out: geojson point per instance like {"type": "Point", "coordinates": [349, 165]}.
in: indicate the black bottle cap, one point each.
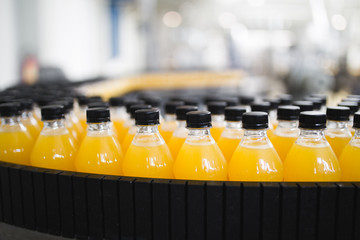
{"type": "Point", "coordinates": [321, 96]}
{"type": "Point", "coordinates": [97, 115]}
{"type": "Point", "coordinates": [170, 107]}
{"type": "Point", "coordinates": [234, 113]}
{"type": "Point", "coordinates": [312, 120]}
{"type": "Point", "coordinates": [356, 120]}
{"type": "Point", "coordinates": [192, 101]}
{"type": "Point", "coordinates": [44, 100]}
{"type": "Point", "coordinates": [52, 112]}
{"type": "Point", "coordinates": [83, 100]}
{"type": "Point", "coordinates": [357, 100]}
{"type": "Point", "coordinates": [211, 98]}
{"type": "Point", "coordinates": [26, 104]}
{"type": "Point", "coordinates": [67, 105]}
{"type": "Point", "coordinates": [274, 102]}
{"type": "Point", "coordinates": [116, 101]}
{"type": "Point", "coordinates": [147, 116]}
{"type": "Point", "coordinates": [96, 98]}
{"type": "Point", "coordinates": [288, 113]}
{"type": "Point", "coordinates": [217, 107]}
{"type": "Point", "coordinates": [285, 99]}
{"type": "Point", "coordinates": [10, 109]}
{"type": "Point", "coordinates": [136, 107]}
{"type": "Point", "coordinates": [354, 107]}
{"type": "Point", "coordinates": [182, 110]}
{"type": "Point", "coordinates": [198, 119]}
{"type": "Point", "coordinates": [230, 101]}
{"type": "Point", "coordinates": [6, 99]}
{"type": "Point", "coordinates": [129, 103]}
{"type": "Point", "coordinates": [246, 100]}
{"type": "Point", "coordinates": [255, 120]}
{"type": "Point", "coordinates": [153, 101]}
{"type": "Point", "coordinates": [338, 113]}
{"type": "Point", "coordinates": [317, 102]}
{"type": "Point", "coordinates": [260, 107]}
{"type": "Point", "coordinates": [98, 105]}
{"type": "Point", "coordinates": [304, 105]}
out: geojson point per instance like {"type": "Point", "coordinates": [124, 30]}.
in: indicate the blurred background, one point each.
{"type": "Point", "coordinates": [297, 46]}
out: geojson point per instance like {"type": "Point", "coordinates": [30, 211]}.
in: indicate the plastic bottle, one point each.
{"type": "Point", "coordinates": [28, 119]}
{"type": "Point", "coordinates": [311, 158]}
{"type": "Point", "coordinates": [353, 106]}
{"type": "Point", "coordinates": [148, 154]}
{"type": "Point", "coordinates": [118, 116]}
{"type": "Point", "coordinates": [255, 159]}
{"type": "Point", "coordinates": [169, 125]}
{"type": "Point", "coordinates": [200, 158]}
{"type": "Point", "coordinates": [287, 131]}
{"type": "Point", "coordinates": [217, 110]}
{"type": "Point", "coordinates": [233, 133]}
{"type": "Point", "coordinates": [100, 152]}
{"type": "Point", "coordinates": [15, 141]}
{"type": "Point", "coordinates": [181, 132]}
{"type": "Point", "coordinates": [350, 156]}
{"type": "Point", "coordinates": [54, 148]}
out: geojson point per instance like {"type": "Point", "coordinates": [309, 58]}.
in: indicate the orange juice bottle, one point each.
{"type": "Point", "coordinates": [100, 151]}
{"type": "Point", "coordinates": [350, 156]}
{"type": "Point", "coordinates": [287, 131]}
{"type": "Point", "coordinates": [199, 157]}
{"type": "Point", "coordinates": [255, 159]}
{"type": "Point", "coordinates": [217, 109]}
{"type": "Point", "coordinates": [181, 132]}
{"type": "Point", "coordinates": [169, 125]}
{"type": "Point", "coordinates": [28, 119]}
{"type": "Point", "coordinates": [311, 159]}
{"type": "Point", "coordinates": [15, 141]}
{"type": "Point", "coordinates": [337, 133]}
{"type": "Point", "coordinates": [118, 115]}
{"type": "Point", "coordinates": [148, 154]}
{"type": "Point", "coordinates": [54, 148]}
{"type": "Point", "coordinates": [263, 107]}
{"type": "Point", "coordinates": [132, 130]}
{"type": "Point", "coordinates": [73, 117]}
{"type": "Point", "coordinates": [274, 104]}
{"type": "Point", "coordinates": [353, 106]}
{"type": "Point", "coordinates": [233, 133]}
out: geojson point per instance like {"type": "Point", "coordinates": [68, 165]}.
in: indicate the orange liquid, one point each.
{"type": "Point", "coordinates": [216, 132]}
{"type": "Point", "coordinates": [127, 140]}
{"type": "Point", "coordinates": [100, 154]}
{"type": "Point", "coordinates": [338, 143]}
{"type": "Point", "coordinates": [166, 130]}
{"type": "Point", "coordinates": [350, 163]}
{"type": "Point", "coordinates": [83, 124]}
{"type": "Point", "coordinates": [175, 145]}
{"type": "Point", "coordinates": [202, 161]}
{"type": "Point", "coordinates": [147, 158]}
{"type": "Point", "coordinates": [311, 164]}
{"type": "Point", "coordinates": [54, 152]}
{"type": "Point", "coordinates": [255, 163]}
{"type": "Point", "coordinates": [119, 126]}
{"type": "Point", "coordinates": [282, 144]}
{"type": "Point", "coordinates": [228, 146]}
{"type": "Point", "coordinates": [15, 145]}
{"type": "Point", "coordinates": [32, 126]}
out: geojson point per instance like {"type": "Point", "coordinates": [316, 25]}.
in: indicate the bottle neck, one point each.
{"type": "Point", "coordinates": [98, 127]}
{"type": "Point", "coordinates": [312, 133]}
{"type": "Point", "coordinates": [26, 115]}
{"type": "Point", "coordinates": [181, 124]}
{"type": "Point", "coordinates": [118, 112]}
{"type": "Point", "coordinates": [233, 125]}
{"type": "Point", "coordinates": [170, 117]}
{"type": "Point", "coordinates": [255, 133]}
{"type": "Point", "coordinates": [54, 124]}
{"type": "Point", "coordinates": [217, 118]}
{"type": "Point", "coordinates": [357, 133]}
{"type": "Point", "coordinates": [199, 136]}
{"type": "Point", "coordinates": [288, 124]}
{"type": "Point", "coordinates": [10, 120]}
{"type": "Point", "coordinates": [336, 124]}
{"type": "Point", "coordinates": [147, 129]}
{"type": "Point", "coordinates": [312, 138]}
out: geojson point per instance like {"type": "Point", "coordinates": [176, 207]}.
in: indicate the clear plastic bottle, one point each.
{"type": "Point", "coordinates": [15, 141]}
{"type": "Point", "coordinates": [274, 104]}
{"type": "Point", "coordinates": [128, 121]}
{"type": "Point", "coordinates": [54, 148]}
{"type": "Point", "coordinates": [353, 106]}
{"type": "Point", "coordinates": [233, 133]}
{"type": "Point", "coordinates": [263, 107]}
{"type": "Point", "coordinates": [337, 132]}
{"type": "Point", "coordinates": [118, 116]}
{"type": "Point", "coordinates": [255, 159]}
{"type": "Point", "coordinates": [167, 127]}
{"type": "Point", "coordinates": [148, 155]}
{"type": "Point", "coordinates": [100, 151]}
{"type": "Point", "coordinates": [181, 132]}
{"type": "Point", "coordinates": [287, 131]}
{"type": "Point", "coordinates": [217, 109]}
{"type": "Point", "coordinates": [28, 119]}
{"type": "Point", "coordinates": [132, 130]}
{"type": "Point", "coordinates": [311, 158]}
{"type": "Point", "coordinates": [199, 157]}
{"type": "Point", "coordinates": [350, 156]}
